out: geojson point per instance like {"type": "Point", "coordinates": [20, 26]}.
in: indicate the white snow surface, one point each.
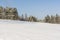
{"type": "Point", "coordinates": [19, 30]}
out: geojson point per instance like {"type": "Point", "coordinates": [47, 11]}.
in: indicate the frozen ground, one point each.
{"type": "Point", "coordinates": [15, 30]}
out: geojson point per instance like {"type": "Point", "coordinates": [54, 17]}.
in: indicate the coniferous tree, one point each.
{"type": "Point", "coordinates": [1, 11]}
{"type": "Point", "coordinates": [33, 19]}
{"type": "Point", "coordinates": [52, 19]}
{"type": "Point", "coordinates": [22, 18]}
{"type": "Point", "coordinates": [26, 18]}
{"type": "Point", "coordinates": [47, 19]}
{"type": "Point", "coordinates": [57, 18]}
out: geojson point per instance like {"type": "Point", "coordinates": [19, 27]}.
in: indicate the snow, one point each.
{"type": "Point", "coordinates": [20, 30]}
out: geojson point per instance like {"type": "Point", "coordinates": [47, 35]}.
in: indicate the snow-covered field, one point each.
{"type": "Point", "coordinates": [19, 30]}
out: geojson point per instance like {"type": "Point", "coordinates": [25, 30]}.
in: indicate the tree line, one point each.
{"type": "Point", "coordinates": [26, 18]}
{"type": "Point", "coordinates": [52, 19]}
{"type": "Point", "coordinates": [47, 19]}
{"type": "Point", "coordinates": [12, 14]}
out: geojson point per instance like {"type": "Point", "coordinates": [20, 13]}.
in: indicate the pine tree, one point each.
{"type": "Point", "coordinates": [22, 18]}
{"type": "Point", "coordinates": [57, 18]}
{"type": "Point", "coordinates": [47, 19]}
{"type": "Point", "coordinates": [33, 19]}
{"type": "Point", "coordinates": [26, 18]}
{"type": "Point", "coordinates": [52, 19]}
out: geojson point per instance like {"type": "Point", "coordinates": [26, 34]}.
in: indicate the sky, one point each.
{"type": "Point", "coordinates": [37, 8]}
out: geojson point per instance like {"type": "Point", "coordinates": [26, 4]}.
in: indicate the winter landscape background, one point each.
{"type": "Point", "coordinates": [29, 19]}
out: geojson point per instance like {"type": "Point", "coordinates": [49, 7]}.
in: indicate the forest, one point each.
{"type": "Point", "coordinates": [12, 14]}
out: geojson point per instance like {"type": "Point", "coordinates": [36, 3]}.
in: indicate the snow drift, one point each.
{"type": "Point", "coordinates": [19, 30]}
